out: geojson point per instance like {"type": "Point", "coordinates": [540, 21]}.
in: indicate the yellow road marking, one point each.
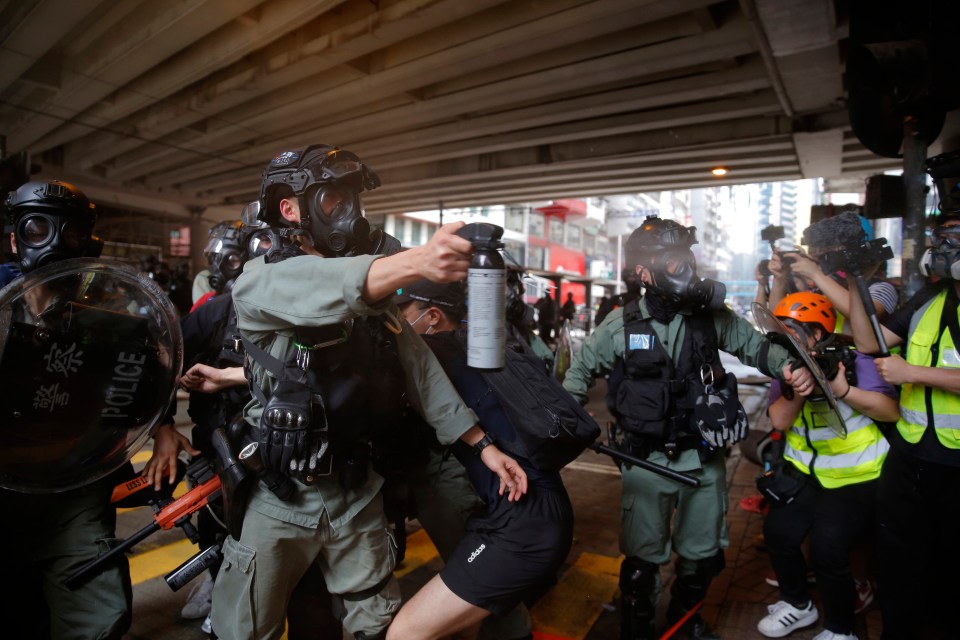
{"type": "Point", "coordinates": [572, 607]}
{"type": "Point", "coordinates": [420, 551]}
{"type": "Point", "coordinates": [141, 456]}
{"type": "Point", "coordinates": [160, 561]}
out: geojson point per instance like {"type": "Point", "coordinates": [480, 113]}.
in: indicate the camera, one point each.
{"type": "Point", "coordinates": [856, 257]}
{"type": "Point", "coordinates": [831, 352]}
{"type": "Point", "coordinates": [772, 233]}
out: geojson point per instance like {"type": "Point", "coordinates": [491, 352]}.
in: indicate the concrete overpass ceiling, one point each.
{"type": "Point", "coordinates": [175, 106]}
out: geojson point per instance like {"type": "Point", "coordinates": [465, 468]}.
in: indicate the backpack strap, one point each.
{"type": "Point", "coordinates": [274, 366]}
{"type": "Point", "coordinates": [949, 316]}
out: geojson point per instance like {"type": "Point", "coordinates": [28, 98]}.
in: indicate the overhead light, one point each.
{"type": "Point", "coordinates": [719, 171]}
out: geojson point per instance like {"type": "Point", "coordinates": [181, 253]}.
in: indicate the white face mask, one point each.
{"type": "Point", "coordinates": [419, 318]}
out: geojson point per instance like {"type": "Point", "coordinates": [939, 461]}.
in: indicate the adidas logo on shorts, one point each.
{"type": "Point", "coordinates": [473, 556]}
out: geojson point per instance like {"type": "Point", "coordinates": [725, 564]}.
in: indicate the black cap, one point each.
{"type": "Point", "coordinates": [452, 296]}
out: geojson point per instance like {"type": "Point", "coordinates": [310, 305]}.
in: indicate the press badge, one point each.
{"type": "Point", "coordinates": [951, 358]}
{"type": "Point", "coordinates": [641, 341]}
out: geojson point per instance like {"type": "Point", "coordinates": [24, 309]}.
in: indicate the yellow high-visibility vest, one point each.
{"type": "Point", "coordinates": [919, 403]}
{"type": "Point", "coordinates": [836, 462]}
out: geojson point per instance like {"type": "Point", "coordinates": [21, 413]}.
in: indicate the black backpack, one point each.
{"type": "Point", "coordinates": [550, 427]}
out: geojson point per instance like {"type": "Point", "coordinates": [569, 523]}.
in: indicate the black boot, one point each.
{"type": "Point", "coordinates": [637, 584]}
{"type": "Point", "coordinates": [686, 593]}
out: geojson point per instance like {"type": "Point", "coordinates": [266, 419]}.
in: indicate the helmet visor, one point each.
{"type": "Point", "coordinates": [250, 215]}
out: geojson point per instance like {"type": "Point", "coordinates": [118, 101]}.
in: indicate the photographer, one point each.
{"type": "Point", "coordinates": [840, 242]}
{"type": "Point", "coordinates": [921, 478]}
{"type": "Point", "coordinates": [832, 481]}
{"type": "Point", "coordinates": [784, 279]}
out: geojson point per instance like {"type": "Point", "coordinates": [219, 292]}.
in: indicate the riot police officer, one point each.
{"type": "Point", "coordinates": [328, 362]}
{"type": "Point", "coordinates": [660, 352]}
{"type": "Point", "coordinates": [53, 534]}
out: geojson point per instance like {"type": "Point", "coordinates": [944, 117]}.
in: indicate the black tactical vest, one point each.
{"type": "Point", "coordinates": [650, 395]}
{"type": "Point", "coordinates": [353, 372]}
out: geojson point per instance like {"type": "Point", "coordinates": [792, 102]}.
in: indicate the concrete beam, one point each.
{"type": "Point", "coordinates": [153, 33]}
{"type": "Point", "coordinates": [729, 41]}
{"type": "Point", "coordinates": [819, 153]}
{"type": "Point", "coordinates": [34, 32]}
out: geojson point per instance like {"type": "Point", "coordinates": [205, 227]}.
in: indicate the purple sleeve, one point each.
{"type": "Point", "coordinates": [868, 378]}
{"type": "Point", "coordinates": [775, 392]}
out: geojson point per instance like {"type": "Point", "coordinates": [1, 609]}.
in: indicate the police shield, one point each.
{"type": "Point", "coordinates": [823, 405]}
{"type": "Point", "coordinates": [90, 355]}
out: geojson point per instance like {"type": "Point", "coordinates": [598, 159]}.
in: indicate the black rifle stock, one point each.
{"type": "Point", "coordinates": [175, 513]}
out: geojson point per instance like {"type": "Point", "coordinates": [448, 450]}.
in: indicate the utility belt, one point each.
{"type": "Point", "coordinates": [641, 447]}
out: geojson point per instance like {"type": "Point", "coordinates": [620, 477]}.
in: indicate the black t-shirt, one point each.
{"type": "Point", "coordinates": [928, 447]}
{"type": "Point", "coordinates": [203, 337]}
{"type": "Point", "coordinates": [477, 395]}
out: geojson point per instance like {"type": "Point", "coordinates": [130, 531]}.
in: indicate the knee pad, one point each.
{"type": "Point", "coordinates": [638, 576]}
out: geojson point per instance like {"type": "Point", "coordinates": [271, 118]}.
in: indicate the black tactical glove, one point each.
{"type": "Point", "coordinates": [289, 442]}
{"type": "Point", "coordinates": [717, 412]}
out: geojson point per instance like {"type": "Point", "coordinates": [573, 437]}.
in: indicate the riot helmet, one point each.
{"type": "Point", "coordinates": [945, 171]}
{"type": "Point", "coordinates": [663, 248]}
{"type": "Point", "coordinates": [52, 221]}
{"type": "Point", "coordinates": [327, 183]}
{"type": "Point", "coordinates": [230, 245]}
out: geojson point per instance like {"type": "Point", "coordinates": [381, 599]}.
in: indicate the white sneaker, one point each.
{"type": "Point", "coordinates": [784, 618]}
{"type": "Point", "coordinates": [206, 626]}
{"type": "Point", "coordinates": [830, 635]}
{"type": "Point", "coordinates": [199, 600]}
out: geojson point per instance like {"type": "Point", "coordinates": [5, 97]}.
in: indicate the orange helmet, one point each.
{"type": "Point", "coordinates": [808, 307]}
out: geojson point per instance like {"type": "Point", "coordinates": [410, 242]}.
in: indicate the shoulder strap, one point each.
{"type": "Point", "coordinates": [703, 338]}
{"type": "Point", "coordinates": [948, 317]}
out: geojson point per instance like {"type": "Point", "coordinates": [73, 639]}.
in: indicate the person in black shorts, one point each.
{"type": "Point", "coordinates": [511, 552]}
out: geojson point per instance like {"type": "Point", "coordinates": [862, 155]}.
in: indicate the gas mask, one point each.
{"type": "Point", "coordinates": [52, 221]}
{"type": "Point", "coordinates": [675, 279]}
{"type": "Point", "coordinates": [43, 238]}
{"type": "Point", "coordinates": [225, 255]}
{"type": "Point", "coordinates": [230, 245]}
{"type": "Point", "coordinates": [334, 220]}
{"type": "Point", "coordinates": [943, 259]}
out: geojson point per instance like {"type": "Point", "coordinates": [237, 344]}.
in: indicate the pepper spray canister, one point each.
{"type": "Point", "coordinates": [486, 297]}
